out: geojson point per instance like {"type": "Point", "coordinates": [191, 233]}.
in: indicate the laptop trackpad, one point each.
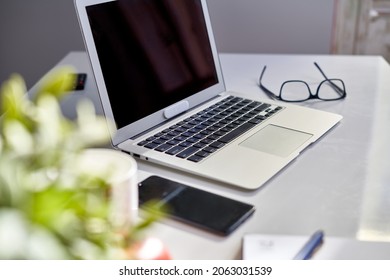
{"type": "Point", "coordinates": [276, 140]}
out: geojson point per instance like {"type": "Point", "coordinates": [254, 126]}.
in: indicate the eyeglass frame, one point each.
{"type": "Point", "coordinates": [341, 92]}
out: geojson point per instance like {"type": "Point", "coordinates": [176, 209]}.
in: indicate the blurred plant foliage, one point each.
{"type": "Point", "coordinates": [49, 210]}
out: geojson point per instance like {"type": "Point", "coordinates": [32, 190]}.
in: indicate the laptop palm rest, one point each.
{"type": "Point", "coordinates": [276, 140]}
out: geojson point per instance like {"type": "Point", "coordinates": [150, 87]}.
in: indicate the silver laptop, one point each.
{"type": "Point", "coordinates": [159, 79]}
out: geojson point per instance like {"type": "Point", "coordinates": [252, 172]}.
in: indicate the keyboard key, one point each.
{"type": "Point", "coordinates": [255, 121]}
{"type": "Point", "coordinates": [209, 149]}
{"type": "Point", "coordinates": [187, 152]}
{"type": "Point", "coordinates": [200, 136]}
{"type": "Point", "coordinates": [213, 136]}
{"type": "Point", "coordinates": [185, 144]}
{"type": "Point", "coordinates": [217, 144]}
{"type": "Point", "coordinates": [192, 140]}
{"type": "Point", "coordinates": [175, 150]}
{"type": "Point", "coordinates": [180, 138]}
{"type": "Point", "coordinates": [173, 133]}
{"type": "Point", "coordinates": [219, 133]}
{"type": "Point", "coordinates": [195, 158]}
{"type": "Point", "coordinates": [151, 146]}
{"type": "Point", "coordinates": [202, 154]}
{"type": "Point", "coordinates": [159, 141]}
{"type": "Point", "coordinates": [207, 141]}
{"type": "Point", "coordinates": [236, 132]}
{"type": "Point", "coordinates": [188, 134]}
{"type": "Point", "coordinates": [150, 139]}
{"type": "Point", "coordinates": [200, 145]}
{"type": "Point", "coordinates": [166, 137]}
{"type": "Point", "coordinates": [262, 107]}
{"type": "Point", "coordinates": [163, 147]}
{"type": "Point", "coordinates": [142, 143]}
{"type": "Point", "coordinates": [173, 142]}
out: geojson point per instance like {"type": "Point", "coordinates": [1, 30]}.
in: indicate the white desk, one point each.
{"type": "Point", "coordinates": [341, 184]}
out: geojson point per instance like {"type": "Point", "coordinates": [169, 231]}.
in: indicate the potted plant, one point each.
{"type": "Point", "coordinates": [48, 208]}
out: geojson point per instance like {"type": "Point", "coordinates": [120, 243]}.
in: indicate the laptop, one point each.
{"type": "Point", "coordinates": [159, 79]}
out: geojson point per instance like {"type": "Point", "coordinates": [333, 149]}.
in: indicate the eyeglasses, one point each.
{"type": "Point", "coordinates": [298, 91]}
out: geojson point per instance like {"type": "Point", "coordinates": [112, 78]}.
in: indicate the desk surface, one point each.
{"type": "Point", "coordinates": [340, 184]}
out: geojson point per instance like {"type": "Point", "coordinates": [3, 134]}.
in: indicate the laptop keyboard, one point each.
{"type": "Point", "coordinates": [204, 133]}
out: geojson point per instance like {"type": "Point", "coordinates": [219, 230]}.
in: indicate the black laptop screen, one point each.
{"type": "Point", "coordinates": [152, 54]}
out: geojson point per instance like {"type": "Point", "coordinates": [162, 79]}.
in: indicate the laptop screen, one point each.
{"type": "Point", "coordinates": [152, 54]}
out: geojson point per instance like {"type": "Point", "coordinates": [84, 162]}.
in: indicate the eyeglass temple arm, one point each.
{"type": "Point", "coordinates": [335, 87]}
{"type": "Point", "coordinates": [266, 90]}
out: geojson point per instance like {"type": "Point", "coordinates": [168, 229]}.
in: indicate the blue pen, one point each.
{"type": "Point", "coordinates": [311, 246]}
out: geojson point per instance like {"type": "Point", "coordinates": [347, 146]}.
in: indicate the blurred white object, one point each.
{"type": "Point", "coordinates": [120, 171]}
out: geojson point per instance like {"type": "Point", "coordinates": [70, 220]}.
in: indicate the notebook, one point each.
{"type": "Point", "coordinates": [159, 79]}
{"type": "Point", "coordinates": [285, 247]}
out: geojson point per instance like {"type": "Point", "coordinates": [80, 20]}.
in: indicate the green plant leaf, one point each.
{"type": "Point", "coordinates": [13, 97]}
{"type": "Point", "coordinates": [58, 83]}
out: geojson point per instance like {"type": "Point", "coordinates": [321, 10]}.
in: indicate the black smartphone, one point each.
{"type": "Point", "coordinates": [212, 212]}
{"type": "Point", "coordinates": [80, 80]}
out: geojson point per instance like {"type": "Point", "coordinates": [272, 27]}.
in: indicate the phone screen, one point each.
{"type": "Point", "coordinates": [200, 208]}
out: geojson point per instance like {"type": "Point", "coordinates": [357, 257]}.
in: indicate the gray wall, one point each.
{"type": "Point", "coordinates": [36, 34]}
{"type": "Point", "coordinates": [273, 26]}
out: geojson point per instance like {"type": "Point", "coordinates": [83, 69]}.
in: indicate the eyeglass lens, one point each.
{"type": "Point", "coordinates": [294, 91]}
{"type": "Point", "coordinates": [327, 90]}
